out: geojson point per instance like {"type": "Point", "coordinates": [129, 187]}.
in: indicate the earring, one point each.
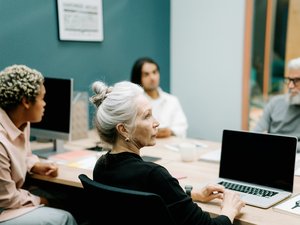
{"type": "Point", "coordinates": [127, 139]}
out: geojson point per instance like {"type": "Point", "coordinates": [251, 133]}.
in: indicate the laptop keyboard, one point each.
{"type": "Point", "coordinates": [248, 190]}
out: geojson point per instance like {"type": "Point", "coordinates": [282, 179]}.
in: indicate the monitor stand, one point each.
{"type": "Point", "coordinates": [58, 147]}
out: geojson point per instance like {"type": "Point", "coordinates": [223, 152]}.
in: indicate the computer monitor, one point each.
{"type": "Point", "coordinates": [56, 122]}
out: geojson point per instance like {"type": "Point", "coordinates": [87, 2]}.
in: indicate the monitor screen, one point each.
{"type": "Point", "coordinates": [56, 122]}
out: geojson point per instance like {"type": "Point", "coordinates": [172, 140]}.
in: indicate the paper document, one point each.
{"type": "Point", "coordinates": [175, 147]}
{"type": "Point", "coordinates": [71, 155]}
{"type": "Point", "coordinates": [291, 206]}
{"type": "Point", "coordinates": [297, 165]}
{"type": "Point", "coordinates": [178, 175]}
{"type": "Point", "coordinates": [212, 156]}
{"type": "Point", "coordinates": [87, 163]}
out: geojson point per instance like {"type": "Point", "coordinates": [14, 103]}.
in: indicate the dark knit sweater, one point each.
{"type": "Point", "coordinates": [128, 170]}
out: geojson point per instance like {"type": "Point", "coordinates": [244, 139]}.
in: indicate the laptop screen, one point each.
{"type": "Point", "coordinates": [258, 158]}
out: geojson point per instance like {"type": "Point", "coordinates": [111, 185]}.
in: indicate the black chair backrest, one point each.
{"type": "Point", "coordinates": [113, 205]}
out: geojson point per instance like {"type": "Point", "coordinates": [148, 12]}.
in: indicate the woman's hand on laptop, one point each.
{"type": "Point", "coordinates": [232, 204]}
{"type": "Point", "coordinates": [208, 193]}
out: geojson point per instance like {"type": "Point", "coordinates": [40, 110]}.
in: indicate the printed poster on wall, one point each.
{"type": "Point", "coordinates": [80, 20]}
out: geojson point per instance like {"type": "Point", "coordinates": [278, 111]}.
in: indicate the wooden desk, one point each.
{"type": "Point", "coordinates": [197, 173]}
{"type": "Point", "coordinates": [67, 175]}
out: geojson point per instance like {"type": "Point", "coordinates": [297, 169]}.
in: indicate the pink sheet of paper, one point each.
{"type": "Point", "coordinates": [178, 176]}
{"type": "Point", "coordinates": [72, 155]}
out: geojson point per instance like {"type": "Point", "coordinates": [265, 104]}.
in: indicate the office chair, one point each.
{"type": "Point", "coordinates": [113, 205]}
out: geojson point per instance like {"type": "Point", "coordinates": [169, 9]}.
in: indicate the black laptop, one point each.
{"type": "Point", "coordinates": [258, 165]}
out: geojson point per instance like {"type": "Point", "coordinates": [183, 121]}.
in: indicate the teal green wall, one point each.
{"type": "Point", "coordinates": [132, 28]}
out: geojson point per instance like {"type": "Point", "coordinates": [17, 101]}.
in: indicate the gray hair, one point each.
{"type": "Point", "coordinates": [16, 82]}
{"type": "Point", "coordinates": [294, 64]}
{"type": "Point", "coordinates": [114, 105]}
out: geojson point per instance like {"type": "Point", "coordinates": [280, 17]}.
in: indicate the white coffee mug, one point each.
{"type": "Point", "coordinates": [187, 152]}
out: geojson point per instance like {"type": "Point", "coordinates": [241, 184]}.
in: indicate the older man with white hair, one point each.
{"type": "Point", "coordinates": [282, 113]}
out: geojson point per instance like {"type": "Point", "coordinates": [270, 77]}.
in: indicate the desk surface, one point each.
{"type": "Point", "coordinates": [196, 173]}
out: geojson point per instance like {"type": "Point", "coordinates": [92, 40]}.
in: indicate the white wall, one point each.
{"type": "Point", "coordinates": [207, 38]}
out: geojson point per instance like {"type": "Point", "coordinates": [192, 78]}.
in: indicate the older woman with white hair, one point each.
{"type": "Point", "coordinates": [124, 120]}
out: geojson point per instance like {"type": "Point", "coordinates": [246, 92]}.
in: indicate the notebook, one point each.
{"type": "Point", "coordinates": [258, 165]}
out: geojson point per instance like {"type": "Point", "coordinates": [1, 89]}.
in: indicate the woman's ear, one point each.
{"type": "Point", "coordinates": [26, 103]}
{"type": "Point", "coordinates": [122, 130]}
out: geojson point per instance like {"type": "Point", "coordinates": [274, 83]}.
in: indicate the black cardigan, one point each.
{"type": "Point", "coordinates": [128, 170]}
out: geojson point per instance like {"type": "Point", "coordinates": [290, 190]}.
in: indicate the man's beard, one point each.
{"type": "Point", "coordinates": [293, 99]}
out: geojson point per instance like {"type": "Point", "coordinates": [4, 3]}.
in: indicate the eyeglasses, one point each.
{"type": "Point", "coordinates": [295, 81]}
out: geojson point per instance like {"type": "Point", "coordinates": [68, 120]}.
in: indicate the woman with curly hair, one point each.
{"type": "Point", "coordinates": [22, 102]}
